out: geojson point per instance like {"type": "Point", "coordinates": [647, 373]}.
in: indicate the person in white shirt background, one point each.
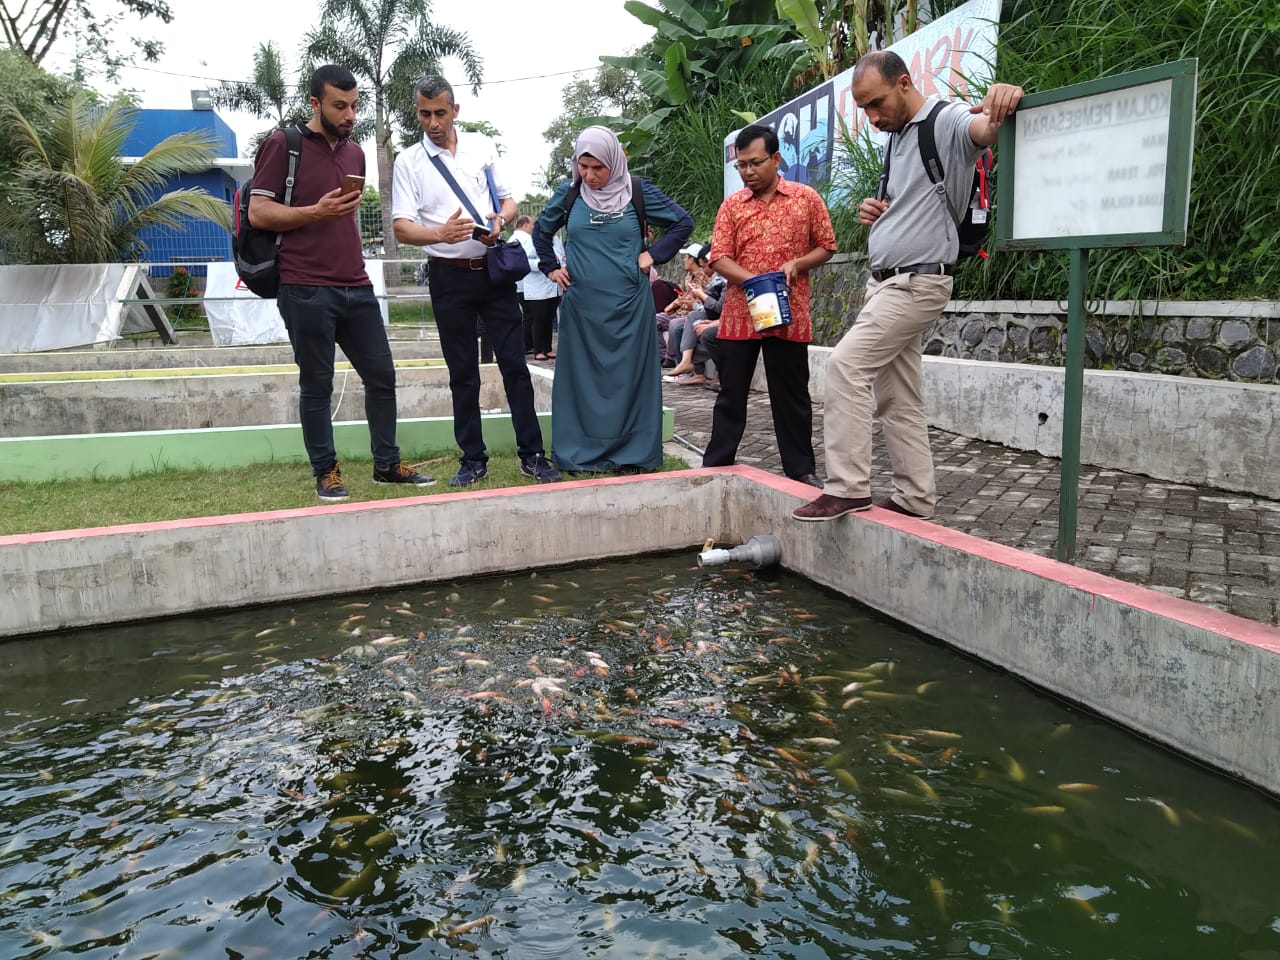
{"type": "Point", "coordinates": [539, 295]}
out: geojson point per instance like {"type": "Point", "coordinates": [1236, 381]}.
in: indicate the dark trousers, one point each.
{"type": "Point", "coordinates": [706, 349]}
{"type": "Point", "coordinates": [461, 299]}
{"type": "Point", "coordinates": [527, 325]}
{"type": "Point", "coordinates": [538, 315]}
{"type": "Point", "coordinates": [786, 367]}
{"type": "Point", "coordinates": [317, 318]}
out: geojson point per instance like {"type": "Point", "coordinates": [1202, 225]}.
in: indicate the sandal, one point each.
{"type": "Point", "coordinates": [551, 356]}
{"type": "Point", "coordinates": [540, 356]}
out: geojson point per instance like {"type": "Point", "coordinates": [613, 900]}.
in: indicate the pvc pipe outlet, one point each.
{"type": "Point", "coordinates": [762, 550]}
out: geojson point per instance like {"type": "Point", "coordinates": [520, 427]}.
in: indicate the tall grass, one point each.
{"type": "Point", "coordinates": [855, 175]}
{"type": "Point", "coordinates": [1234, 220]}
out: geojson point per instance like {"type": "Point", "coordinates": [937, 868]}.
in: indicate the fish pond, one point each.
{"type": "Point", "coordinates": [634, 760]}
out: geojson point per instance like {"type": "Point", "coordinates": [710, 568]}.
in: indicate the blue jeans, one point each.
{"type": "Point", "coordinates": [317, 318]}
{"type": "Point", "coordinates": [460, 298]}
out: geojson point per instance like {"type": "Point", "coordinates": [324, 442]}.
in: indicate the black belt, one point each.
{"type": "Point", "coordinates": [946, 269]}
{"type": "Point", "coordinates": [475, 263]}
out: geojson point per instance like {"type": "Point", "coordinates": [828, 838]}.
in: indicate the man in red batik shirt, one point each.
{"type": "Point", "coordinates": [772, 225]}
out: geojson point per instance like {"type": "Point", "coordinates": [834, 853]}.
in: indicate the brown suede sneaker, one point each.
{"type": "Point", "coordinates": [827, 507]}
{"type": "Point", "coordinates": [891, 504]}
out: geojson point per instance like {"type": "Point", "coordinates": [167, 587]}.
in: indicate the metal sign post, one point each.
{"type": "Point", "coordinates": [1100, 164]}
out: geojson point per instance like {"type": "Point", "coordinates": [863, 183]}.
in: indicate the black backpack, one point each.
{"type": "Point", "coordinates": [973, 226]}
{"type": "Point", "coordinates": [255, 251]}
{"type": "Point", "coordinates": [637, 201]}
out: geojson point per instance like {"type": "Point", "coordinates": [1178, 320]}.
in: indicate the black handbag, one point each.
{"type": "Point", "coordinates": [504, 262]}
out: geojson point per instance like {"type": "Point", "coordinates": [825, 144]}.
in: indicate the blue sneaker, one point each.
{"type": "Point", "coordinates": [540, 468]}
{"type": "Point", "coordinates": [329, 485]}
{"type": "Point", "coordinates": [469, 471]}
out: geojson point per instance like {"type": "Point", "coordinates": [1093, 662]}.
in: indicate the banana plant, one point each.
{"type": "Point", "coordinates": [695, 44]}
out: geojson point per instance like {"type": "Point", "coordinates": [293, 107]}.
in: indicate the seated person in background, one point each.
{"type": "Point", "coordinates": [663, 292]}
{"type": "Point", "coordinates": [539, 296]}
{"type": "Point", "coordinates": [703, 349]}
{"type": "Point", "coordinates": [706, 350]}
{"type": "Point", "coordinates": [695, 272]}
{"type": "Point", "coordinates": [685, 332]}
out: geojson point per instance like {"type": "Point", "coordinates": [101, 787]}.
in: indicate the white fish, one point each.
{"type": "Point", "coordinates": [546, 687]}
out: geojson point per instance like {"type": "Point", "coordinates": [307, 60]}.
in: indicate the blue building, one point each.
{"type": "Point", "coordinates": [200, 241]}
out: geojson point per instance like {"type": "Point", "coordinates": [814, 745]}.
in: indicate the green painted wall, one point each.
{"type": "Point", "coordinates": [122, 454]}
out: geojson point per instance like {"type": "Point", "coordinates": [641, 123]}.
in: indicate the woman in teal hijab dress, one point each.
{"type": "Point", "coordinates": [606, 401]}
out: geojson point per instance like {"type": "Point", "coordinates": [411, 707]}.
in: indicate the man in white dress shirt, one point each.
{"type": "Point", "coordinates": [427, 211]}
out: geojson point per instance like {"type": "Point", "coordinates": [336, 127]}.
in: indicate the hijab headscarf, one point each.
{"type": "Point", "coordinates": [602, 144]}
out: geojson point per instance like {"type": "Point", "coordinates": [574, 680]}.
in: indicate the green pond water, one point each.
{"type": "Point", "coordinates": [635, 760]}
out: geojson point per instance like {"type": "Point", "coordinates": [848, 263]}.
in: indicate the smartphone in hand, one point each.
{"type": "Point", "coordinates": [352, 184]}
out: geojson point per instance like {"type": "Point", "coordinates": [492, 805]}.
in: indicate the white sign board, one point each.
{"type": "Point", "coordinates": [1102, 163]}
{"type": "Point", "coordinates": [1093, 166]}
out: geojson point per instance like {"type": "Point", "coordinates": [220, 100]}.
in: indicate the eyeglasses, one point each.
{"type": "Point", "coordinates": [743, 165]}
{"type": "Point", "coordinates": [598, 218]}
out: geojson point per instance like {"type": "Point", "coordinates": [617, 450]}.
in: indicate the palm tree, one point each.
{"type": "Point", "coordinates": [388, 45]}
{"type": "Point", "coordinates": [74, 200]}
{"type": "Point", "coordinates": [267, 96]}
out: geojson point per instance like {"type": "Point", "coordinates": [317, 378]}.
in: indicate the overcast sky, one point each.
{"type": "Point", "coordinates": [520, 41]}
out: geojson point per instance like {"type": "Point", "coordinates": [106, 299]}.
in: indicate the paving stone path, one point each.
{"type": "Point", "coordinates": [1217, 548]}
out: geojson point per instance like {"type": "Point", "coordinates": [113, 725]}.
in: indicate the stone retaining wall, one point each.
{"type": "Point", "coordinates": [1218, 340]}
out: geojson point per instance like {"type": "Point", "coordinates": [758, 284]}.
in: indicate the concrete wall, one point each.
{"type": "Point", "coordinates": [36, 459]}
{"type": "Point", "coordinates": [49, 408]}
{"type": "Point", "coordinates": [115, 357]}
{"type": "Point", "coordinates": [1181, 429]}
{"type": "Point", "coordinates": [1201, 681]}
{"type": "Point", "coordinates": [1192, 678]}
{"type": "Point", "coordinates": [1218, 339]}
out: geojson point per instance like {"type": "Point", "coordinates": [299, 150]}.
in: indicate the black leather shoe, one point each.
{"type": "Point", "coordinates": [811, 479]}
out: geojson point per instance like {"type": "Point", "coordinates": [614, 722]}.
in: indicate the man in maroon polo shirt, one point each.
{"type": "Point", "coordinates": [325, 295]}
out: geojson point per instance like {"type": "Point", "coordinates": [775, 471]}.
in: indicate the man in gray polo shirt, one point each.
{"type": "Point", "coordinates": [876, 370]}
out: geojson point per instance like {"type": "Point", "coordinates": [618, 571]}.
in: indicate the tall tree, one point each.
{"type": "Point", "coordinates": [74, 200]}
{"type": "Point", "coordinates": [270, 96]}
{"type": "Point", "coordinates": [389, 45]}
{"type": "Point", "coordinates": [38, 96]}
{"type": "Point", "coordinates": [610, 94]}
{"type": "Point", "coordinates": [696, 44]}
{"type": "Point", "coordinates": [32, 26]}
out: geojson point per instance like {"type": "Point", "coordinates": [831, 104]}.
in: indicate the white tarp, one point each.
{"type": "Point", "coordinates": [54, 306]}
{"type": "Point", "coordinates": [239, 316]}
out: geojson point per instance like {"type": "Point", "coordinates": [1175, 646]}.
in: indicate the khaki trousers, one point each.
{"type": "Point", "coordinates": [876, 371]}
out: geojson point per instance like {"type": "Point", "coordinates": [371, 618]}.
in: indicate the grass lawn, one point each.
{"type": "Point", "coordinates": [177, 494]}
{"type": "Point", "coordinates": [410, 311]}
